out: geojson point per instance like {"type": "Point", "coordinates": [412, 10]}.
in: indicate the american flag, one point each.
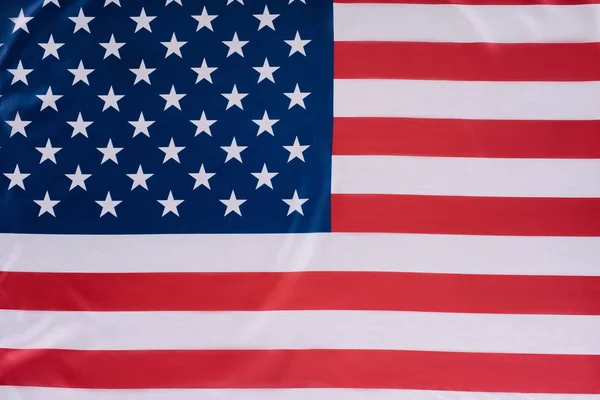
{"type": "Point", "coordinates": [299, 199]}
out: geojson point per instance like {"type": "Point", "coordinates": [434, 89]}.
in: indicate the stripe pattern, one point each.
{"type": "Point", "coordinates": [463, 262]}
{"type": "Point", "coordinates": [478, 121]}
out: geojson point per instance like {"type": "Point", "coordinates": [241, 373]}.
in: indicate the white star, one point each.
{"type": "Point", "coordinates": [204, 72]}
{"type": "Point", "coordinates": [303, 1]}
{"type": "Point", "coordinates": [20, 74]}
{"type": "Point", "coordinates": [108, 205]}
{"type": "Point", "coordinates": [78, 179]}
{"type": "Point", "coordinates": [296, 150]}
{"type": "Point", "coordinates": [231, 1]}
{"type": "Point", "coordinates": [111, 100]}
{"type": "Point", "coordinates": [117, 2]}
{"type": "Point", "coordinates": [140, 178]}
{"type": "Point", "coordinates": [203, 125]}
{"type": "Point", "coordinates": [204, 20]}
{"type": "Point", "coordinates": [266, 71]}
{"type": "Point", "coordinates": [112, 47]}
{"type": "Point", "coordinates": [109, 152]}
{"type": "Point", "coordinates": [172, 151]}
{"type": "Point", "coordinates": [49, 99]}
{"type": "Point", "coordinates": [46, 205]}
{"type": "Point", "coordinates": [141, 126]}
{"type": "Point", "coordinates": [143, 21]}
{"type": "Point", "coordinates": [265, 124]}
{"type": "Point", "coordinates": [21, 22]}
{"type": "Point", "coordinates": [297, 97]}
{"type": "Point", "coordinates": [173, 46]}
{"type": "Point", "coordinates": [48, 152]}
{"type": "Point", "coordinates": [80, 74]}
{"type": "Point", "coordinates": [234, 98]}
{"type": "Point", "coordinates": [202, 177]}
{"type": "Point", "coordinates": [295, 203]}
{"type": "Point", "coordinates": [264, 177]}
{"type": "Point", "coordinates": [51, 48]}
{"type": "Point", "coordinates": [142, 73]}
{"type": "Point", "coordinates": [172, 98]}
{"type": "Point", "coordinates": [235, 45]}
{"type": "Point", "coordinates": [266, 19]}
{"type": "Point", "coordinates": [17, 125]}
{"type": "Point", "coordinates": [16, 178]}
{"type": "Point", "coordinates": [80, 126]}
{"type": "Point", "coordinates": [46, 2]}
{"type": "Point", "coordinates": [297, 45]}
{"type": "Point", "coordinates": [234, 151]}
{"type": "Point", "coordinates": [170, 205]}
{"type": "Point", "coordinates": [81, 21]}
{"type": "Point", "coordinates": [173, 1]}
{"type": "Point", "coordinates": [233, 204]}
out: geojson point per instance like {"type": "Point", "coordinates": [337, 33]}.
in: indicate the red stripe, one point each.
{"type": "Point", "coordinates": [301, 291]}
{"type": "Point", "coordinates": [466, 138]}
{"type": "Point", "coordinates": [468, 61]}
{"type": "Point", "coordinates": [465, 215]}
{"type": "Point", "coordinates": [301, 369]}
{"type": "Point", "coordinates": [474, 2]}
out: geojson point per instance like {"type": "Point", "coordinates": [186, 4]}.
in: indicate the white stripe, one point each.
{"type": "Point", "coordinates": [448, 176]}
{"type": "Point", "coordinates": [466, 99]}
{"type": "Point", "coordinates": [46, 393]}
{"type": "Point", "coordinates": [236, 330]}
{"type": "Point", "coordinates": [302, 252]}
{"type": "Point", "coordinates": [465, 23]}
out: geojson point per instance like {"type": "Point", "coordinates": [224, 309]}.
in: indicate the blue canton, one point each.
{"type": "Point", "coordinates": [165, 116]}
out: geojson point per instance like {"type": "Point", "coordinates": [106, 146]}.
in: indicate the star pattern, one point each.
{"type": "Point", "coordinates": [235, 45]}
{"type": "Point", "coordinates": [51, 48]}
{"type": "Point", "coordinates": [143, 21]}
{"type": "Point", "coordinates": [108, 205]}
{"type": "Point", "coordinates": [234, 151]}
{"type": "Point", "coordinates": [265, 124]}
{"type": "Point", "coordinates": [173, 46]}
{"type": "Point", "coordinates": [80, 74]}
{"type": "Point", "coordinates": [46, 205]}
{"type": "Point", "coordinates": [141, 126]}
{"type": "Point", "coordinates": [142, 73]}
{"type": "Point", "coordinates": [78, 179]}
{"type": "Point", "coordinates": [111, 100]}
{"type": "Point", "coordinates": [266, 19]}
{"type": "Point", "coordinates": [80, 126]}
{"type": "Point", "coordinates": [82, 22]}
{"type": "Point", "coordinates": [297, 45]}
{"type": "Point", "coordinates": [17, 125]}
{"type": "Point", "coordinates": [234, 98]}
{"type": "Point", "coordinates": [172, 99]}
{"type": "Point", "coordinates": [170, 205]}
{"type": "Point", "coordinates": [140, 178]}
{"type": "Point", "coordinates": [295, 204]}
{"type": "Point", "coordinates": [20, 74]}
{"type": "Point", "coordinates": [266, 71]}
{"type": "Point", "coordinates": [112, 47]}
{"type": "Point", "coordinates": [109, 153]}
{"type": "Point", "coordinates": [154, 121]}
{"type": "Point", "coordinates": [171, 152]}
{"type": "Point", "coordinates": [49, 99]}
{"type": "Point", "coordinates": [21, 22]}
{"type": "Point", "coordinates": [202, 178]}
{"type": "Point", "coordinates": [264, 177]}
{"type": "Point", "coordinates": [204, 72]}
{"type": "Point", "coordinates": [204, 20]}
{"type": "Point", "coordinates": [203, 125]}
{"type": "Point", "coordinates": [48, 152]}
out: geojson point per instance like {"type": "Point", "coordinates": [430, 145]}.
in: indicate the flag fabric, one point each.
{"type": "Point", "coordinates": [302, 199]}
